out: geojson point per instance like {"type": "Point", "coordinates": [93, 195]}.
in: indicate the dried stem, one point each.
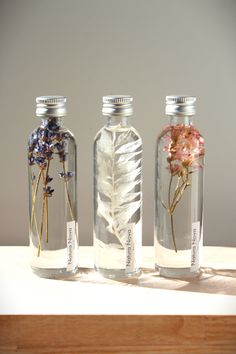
{"type": "Point", "coordinates": [35, 221]}
{"type": "Point", "coordinates": [171, 213]}
{"type": "Point", "coordinates": [172, 230]}
{"type": "Point", "coordinates": [34, 198]}
{"type": "Point", "coordinates": [46, 199]}
{"type": "Point", "coordinates": [67, 192]}
{"type": "Point", "coordinates": [44, 206]}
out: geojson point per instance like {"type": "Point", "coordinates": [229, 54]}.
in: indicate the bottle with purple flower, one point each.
{"type": "Point", "coordinates": [53, 228]}
{"type": "Point", "coordinates": [179, 191]}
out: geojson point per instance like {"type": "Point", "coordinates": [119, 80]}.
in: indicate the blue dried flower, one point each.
{"type": "Point", "coordinates": [31, 160]}
{"type": "Point", "coordinates": [66, 175]}
{"type": "Point", "coordinates": [44, 141]}
{"type": "Point", "coordinates": [48, 179]}
{"type": "Point", "coordinates": [53, 125]}
{"type": "Point", "coordinates": [40, 160]}
{"type": "Point", "coordinates": [48, 191]}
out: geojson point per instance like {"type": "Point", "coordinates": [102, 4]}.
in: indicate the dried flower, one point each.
{"type": "Point", "coordinates": [184, 146]}
{"type": "Point", "coordinates": [66, 175]}
{"type": "Point", "coordinates": [44, 143]}
{"type": "Point", "coordinates": [48, 191]}
{"type": "Point", "coordinates": [48, 179]}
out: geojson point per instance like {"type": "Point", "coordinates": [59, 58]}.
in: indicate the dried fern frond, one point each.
{"type": "Point", "coordinates": [118, 176]}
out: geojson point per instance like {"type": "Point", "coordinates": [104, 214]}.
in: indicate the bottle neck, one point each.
{"type": "Point", "coordinates": [121, 121]}
{"type": "Point", "coordinates": [180, 120]}
{"type": "Point", "coordinates": [52, 123]}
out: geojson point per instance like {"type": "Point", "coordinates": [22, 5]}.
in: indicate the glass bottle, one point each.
{"type": "Point", "coordinates": [179, 191]}
{"type": "Point", "coordinates": [52, 174]}
{"type": "Point", "coordinates": [117, 191]}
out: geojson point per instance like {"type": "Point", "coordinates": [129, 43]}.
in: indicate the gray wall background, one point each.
{"type": "Point", "coordinates": [147, 48]}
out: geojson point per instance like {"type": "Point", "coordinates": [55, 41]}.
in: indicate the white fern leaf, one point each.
{"type": "Point", "coordinates": [129, 147]}
{"type": "Point", "coordinates": [129, 197]}
{"type": "Point", "coordinates": [125, 212]}
{"type": "Point", "coordinates": [128, 156]}
{"type": "Point", "coordinates": [104, 210]}
{"type": "Point", "coordinates": [105, 188]}
{"type": "Point", "coordinates": [126, 188]}
{"type": "Point", "coordinates": [123, 138]}
{"type": "Point", "coordinates": [127, 166]}
{"type": "Point", "coordinates": [128, 177]}
{"type": "Point", "coordinates": [105, 143]}
{"type": "Point", "coordinates": [104, 166]}
{"type": "Point", "coordinates": [118, 174]}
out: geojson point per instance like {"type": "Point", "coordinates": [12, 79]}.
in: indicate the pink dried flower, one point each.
{"type": "Point", "coordinates": [184, 145]}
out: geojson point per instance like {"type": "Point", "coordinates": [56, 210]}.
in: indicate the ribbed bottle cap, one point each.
{"type": "Point", "coordinates": [117, 105]}
{"type": "Point", "coordinates": [180, 105]}
{"type": "Point", "coordinates": [51, 106]}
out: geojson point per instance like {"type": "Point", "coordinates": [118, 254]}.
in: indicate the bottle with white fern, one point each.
{"type": "Point", "coordinates": [118, 191]}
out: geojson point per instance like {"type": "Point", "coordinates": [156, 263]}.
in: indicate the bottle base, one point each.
{"type": "Point", "coordinates": [53, 273]}
{"type": "Point", "coordinates": [176, 272]}
{"type": "Point", "coordinates": [117, 273]}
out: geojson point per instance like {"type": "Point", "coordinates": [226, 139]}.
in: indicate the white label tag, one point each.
{"type": "Point", "coordinates": [71, 246]}
{"type": "Point", "coordinates": [195, 246]}
{"type": "Point", "coordinates": [130, 248]}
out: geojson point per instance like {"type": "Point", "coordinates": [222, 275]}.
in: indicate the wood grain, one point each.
{"type": "Point", "coordinates": [120, 334]}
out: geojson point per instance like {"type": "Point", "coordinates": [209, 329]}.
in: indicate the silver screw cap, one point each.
{"type": "Point", "coordinates": [118, 105]}
{"type": "Point", "coordinates": [51, 106]}
{"type": "Point", "coordinates": [180, 105]}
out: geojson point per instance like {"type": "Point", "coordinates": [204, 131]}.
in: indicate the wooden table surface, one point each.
{"type": "Point", "coordinates": [91, 314]}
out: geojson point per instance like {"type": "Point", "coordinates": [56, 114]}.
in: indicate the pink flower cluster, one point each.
{"type": "Point", "coordinates": [184, 146]}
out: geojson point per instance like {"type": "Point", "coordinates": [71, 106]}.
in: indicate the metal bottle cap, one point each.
{"type": "Point", "coordinates": [118, 105]}
{"type": "Point", "coordinates": [180, 105]}
{"type": "Point", "coordinates": [51, 106]}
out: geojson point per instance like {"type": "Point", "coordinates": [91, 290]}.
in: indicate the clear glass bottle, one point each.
{"type": "Point", "coordinates": [52, 174]}
{"type": "Point", "coordinates": [117, 191]}
{"type": "Point", "coordinates": [179, 191]}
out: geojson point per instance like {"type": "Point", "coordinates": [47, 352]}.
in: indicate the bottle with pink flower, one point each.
{"type": "Point", "coordinates": [179, 191]}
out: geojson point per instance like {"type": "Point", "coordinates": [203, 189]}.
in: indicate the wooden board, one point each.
{"type": "Point", "coordinates": [120, 334]}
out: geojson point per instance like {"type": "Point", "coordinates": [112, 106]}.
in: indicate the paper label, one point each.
{"type": "Point", "coordinates": [195, 246]}
{"type": "Point", "coordinates": [71, 246]}
{"type": "Point", "coordinates": [130, 248]}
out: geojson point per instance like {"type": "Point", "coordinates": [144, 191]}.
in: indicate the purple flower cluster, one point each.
{"type": "Point", "coordinates": [44, 143]}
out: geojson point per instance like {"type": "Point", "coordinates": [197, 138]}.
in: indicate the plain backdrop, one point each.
{"type": "Point", "coordinates": [84, 49]}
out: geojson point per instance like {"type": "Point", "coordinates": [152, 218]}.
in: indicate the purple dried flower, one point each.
{"type": "Point", "coordinates": [66, 175]}
{"type": "Point", "coordinates": [53, 125]}
{"type": "Point", "coordinates": [31, 160]}
{"type": "Point", "coordinates": [40, 160]}
{"type": "Point", "coordinates": [48, 191]}
{"type": "Point", "coordinates": [45, 141]}
{"type": "Point", "coordinates": [48, 179]}
{"type": "Point", "coordinates": [65, 135]}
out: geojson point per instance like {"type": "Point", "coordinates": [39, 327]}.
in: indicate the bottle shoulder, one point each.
{"type": "Point", "coordinates": [180, 132]}
{"type": "Point", "coordinates": [130, 133]}
{"type": "Point", "coordinates": [42, 133]}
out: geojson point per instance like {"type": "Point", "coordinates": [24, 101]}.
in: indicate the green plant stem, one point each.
{"type": "Point", "coordinates": [171, 213]}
